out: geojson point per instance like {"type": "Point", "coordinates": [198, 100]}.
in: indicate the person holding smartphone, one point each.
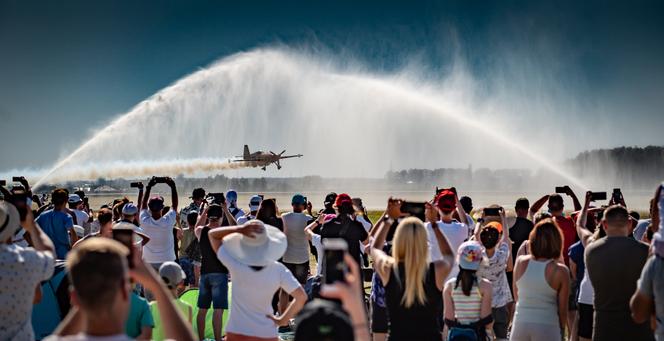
{"type": "Point", "coordinates": [158, 226]}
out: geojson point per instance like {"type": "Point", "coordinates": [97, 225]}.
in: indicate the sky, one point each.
{"type": "Point", "coordinates": [68, 66]}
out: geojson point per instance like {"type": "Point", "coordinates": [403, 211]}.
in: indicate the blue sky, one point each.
{"type": "Point", "coordinates": [66, 66]}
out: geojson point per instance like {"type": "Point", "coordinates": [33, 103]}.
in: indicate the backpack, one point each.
{"type": "Point", "coordinates": [462, 334]}
{"type": "Point", "coordinates": [468, 332]}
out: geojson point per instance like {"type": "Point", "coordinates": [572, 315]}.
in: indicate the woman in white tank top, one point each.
{"type": "Point", "coordinates": [541, 287]}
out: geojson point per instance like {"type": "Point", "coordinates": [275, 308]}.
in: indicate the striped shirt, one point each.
{"type": "Point", "coordinates": [466, 308]}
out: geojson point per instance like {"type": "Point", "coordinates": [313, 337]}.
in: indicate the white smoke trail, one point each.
{"type": "Point", "coordinates": [345, 122]}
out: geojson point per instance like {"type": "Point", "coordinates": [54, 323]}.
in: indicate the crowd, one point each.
{"type": "Point", "coordinates": [436, 270]}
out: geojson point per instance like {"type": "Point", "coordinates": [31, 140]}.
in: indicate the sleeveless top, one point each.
{"type": "Point", "coordinates": [466, 308]}
{"type": "Point", "coordinates": [209, 262]}
{"type": "Point", "coordinates": [419, 322]}
{"type": "Point", "coordinates": [538, 302]}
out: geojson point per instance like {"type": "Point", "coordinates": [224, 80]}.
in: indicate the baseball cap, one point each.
{"type": "Point", "coordinates": [298, 199]}
{"type": "Point", "coordinates": [469, 255]}
{"type": "Point", "coordinates": [255, 202]}
{"type": "Point", "coordinates": [197, 193]}
{"type": "Point", "coordinates": [342, 199]}
{"type": "Point", "coordinates": [323, 320]}
{"type": "Point", "coordinates": [74, 199]}
{"type": "Point", "coordinates": [446, 201]}
{"type": "Point", "coordinates": [231, 195]}
{"type": "Point", "coordinates": [330, 198]}
{"type": "Point", "coordinates": [156, 203]}
{"type": "Point", "coordinates": [172, 274]}
{"type": "Point", "coordinates": [215, 211]}
{"type": "Point", "coordinates": [494, 224]}
{"type": "Point", "coordinates": [129, 209]}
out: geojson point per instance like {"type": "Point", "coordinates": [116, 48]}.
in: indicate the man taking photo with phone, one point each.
{"type": "Point", "coordinates": [157, 226]}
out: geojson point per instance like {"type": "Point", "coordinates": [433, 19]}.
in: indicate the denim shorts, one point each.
{"type": "Point", "coordinates": [213, 289]}
{"type": "Point", "coordinates": [188, 268]}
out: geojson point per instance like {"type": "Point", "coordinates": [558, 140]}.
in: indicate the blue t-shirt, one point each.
{"type": "Point", "coordinates": [576, 254]}
{"type": "Point", "coordinates": [139, 316]}
{"type": "Point", "coordinates": [56, 225]}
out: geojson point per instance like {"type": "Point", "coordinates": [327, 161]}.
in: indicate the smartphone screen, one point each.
{"type": "Point", "coordinates": [490, 212]}
{"type": "Point", "coordinates": [415, 209]}
{"type": "Point", "coordinates": [560, 189]}
{"type": "Point", "coordinates": [335, 267]}
{"type": "Point", "coordinates": [126, 238]}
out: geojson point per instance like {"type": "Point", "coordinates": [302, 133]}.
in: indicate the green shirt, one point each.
{"type": "Point", "coordinates": [139, 316]}
{"type": "Point", "coordinates": [158, 330]}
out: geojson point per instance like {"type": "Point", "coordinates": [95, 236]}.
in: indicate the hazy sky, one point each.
{"type": "Point", "coordinates": [66, 66]}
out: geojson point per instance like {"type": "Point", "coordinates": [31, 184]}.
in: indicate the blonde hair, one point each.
{"type": "Point", "coordinates": [410, 247]}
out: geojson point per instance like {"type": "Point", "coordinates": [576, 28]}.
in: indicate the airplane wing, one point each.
{"type": "Point", "coordinates": [291, 156]}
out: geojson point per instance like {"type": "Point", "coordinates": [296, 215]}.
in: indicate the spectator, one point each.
{"type": "Point", "coordinates": [455, 232]}
{"type": "Point", "coordinates": [58, 225]}
{"type": "Point", "coordinates": [328, 204]}
{"type": "Point", "coordinates": [413, 284]}
{"type": "Point", "coordinates": [581, 327]}
{"type": "Point", "coordinates": [467, 204]}
{"type": "Point", "coordinates": [522, 227]}
{"type": "Point", "coordinates": [213, 286]}
{"type": "Point", "coordinates": [268, 213]}
{"type": "Point", "coordinates": [186, 254]}
{"type": "Point", "coordinates": [130, 213]}
{"type": "Point", "coordinates": [541, 286]}
{"type": "Point", "coordinates": [157, 226]}
{"type": "Point", "coordinates": [349, 293]}
{"type": "Point", "coordinates": [139, 321]}
{"type": "Point", "coordinates": [648, 299]}
{"type": "Point", "coordinates": [254, 204]}
{"type": "Point", "coordinates": [100, 276]}
{"type": "Point", "coordinates": [642, 225]}
{"type": "Point", "coordinates": [614, 264]}
{"type": "Point", "coordinates": [345, 226]}
{"type": "Point", "coordinates": [468, 298]}
{"type": "Point", "coordinates": [296, 258]}
{"type": "Point", "coordinates": [250, 252]}
{"type": "Point", "coordinates": [173, 276]}
{"type": "Point", "coordinates": [231, 199]}
{"type": "Point", "coordinates": [497, 252]}
{"type": "Point", "coordinates": [22, 269]}
{"type": "Point", "coordinates": [77, 206]}
{"type": "Point", "coordinates": [566, 224]}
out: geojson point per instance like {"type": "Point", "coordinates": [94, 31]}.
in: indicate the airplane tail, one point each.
{"type": "Point", "coordinates": [246, 152]}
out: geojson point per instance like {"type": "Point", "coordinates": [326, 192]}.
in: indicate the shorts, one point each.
{"type": "Point", "coordinates": [535, 331]}
{"type": "Point", "coordinates": [379, 320]}
{"type": "Point", "coordinates": [188, 268]}
{"type": "Point", "coordinates": [500, 321]}
{"type": "Point", "coordinates": [213, 289]}
{"type": "Point", "coordinates": [573, 295]}
{"type": "Point", "coordinates": [300, 271]}
{"type": "Point", "coordinates": [586, 320]}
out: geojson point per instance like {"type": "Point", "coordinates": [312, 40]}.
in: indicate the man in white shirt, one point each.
{"type": "Point", "coordinates": [99, 275]}
{"type": "Point", "coordinates": [254, 204]}
{"type": "Point", "coordinates": [77, 206]}
{"type": "Point", "coordinates": [296, 258]}
{"type": "Point", "coordinates": [231, 201]}
{"type": "Point", "coordinates": [455, 232]}
{"type": "Point", "coordinates": [157, 226]}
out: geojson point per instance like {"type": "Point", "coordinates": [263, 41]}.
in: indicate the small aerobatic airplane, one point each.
{"type": "Point", "coordinates": [263, 159]}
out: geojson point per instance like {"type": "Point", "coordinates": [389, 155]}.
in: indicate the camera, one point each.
{"type": "Point", "coordinates": [335, 266]}
{"type": "Point", "coordinates": [216, 198]}
{"type": "Point", "coordinates": [3, 182]}
{"type": "Point", "coordinates": [160, 179]}
{"type": "Point", "coordinates": [17, 178]}
{"type": "Point", "coordinates": [415, 209]}
{"type": "Point", "coordinates": [594, 196]}
{"type": "Point", "coordinates": [136, 184]}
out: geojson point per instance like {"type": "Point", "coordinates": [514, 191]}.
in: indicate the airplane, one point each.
{"type": "Point", "coordinates": [263, 159]}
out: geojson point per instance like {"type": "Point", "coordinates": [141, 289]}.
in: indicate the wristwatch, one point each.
{"type": "Point", "coordinates": [386, 218]}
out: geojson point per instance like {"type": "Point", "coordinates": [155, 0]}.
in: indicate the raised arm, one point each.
{"type": "Point", "coordinates": [229, 216]}
{"type": "Point", "coordinates": [174, 194]}
{"type": "Point", "coordinates": [462, 213]}
{"type": "Point", "coordinates": [380, 259]}
{"type": "Point", "coordinates": [309, 230]}
{"type": "Point", "coordinates": [148, 188]}
{"type": "Point", "coordinates": [139, 200]}
{"type": "Point", "coordinates": [443, 266]}
{"type": "Point", "coordinates": [571, 194]}
{"type": "Point", "coordinates": [537, 205]}
{"type": "Point", "coordinates": [581, 230]}
{"type": "Point", "coordinates": [202, 219]}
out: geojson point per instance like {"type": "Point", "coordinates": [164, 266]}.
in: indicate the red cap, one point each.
{"type": "Point", "coordinates": [343, 198]}
{"type": "Point", "coordinates": [446, 201]}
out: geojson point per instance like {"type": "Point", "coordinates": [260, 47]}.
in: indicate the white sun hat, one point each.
{"type": "Point", "coordinates": [9, 220]}
{"type": "Point", "coordinates": [265, 248]}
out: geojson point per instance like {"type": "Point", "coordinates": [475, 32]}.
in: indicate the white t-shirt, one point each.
{"type": "Point", "coordinates": [494, 272]}
{"type": "Point", "coordinates": [586, 290]}
{"type": "Point", "coordinates": [245, 218]}
{"type": "Point", "coordinates": [297, 251]}
{"type": "Point", "coordinates": [251, 297]}
{"type": "Point", "coordinates": [456, 233]}
{"type": "Point", "coordinates": [81, 218]}
{"type": "Point", "coordinates": [160, 248]}
{"type": "Point", "coordinates": [85, 337]}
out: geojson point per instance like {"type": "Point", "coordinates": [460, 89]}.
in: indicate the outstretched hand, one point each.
{"type": "Point", "coordinates": [393, 209]}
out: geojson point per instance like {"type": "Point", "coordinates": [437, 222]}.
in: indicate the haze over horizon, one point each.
{"type": "Point", "coordinates": [558, 78]}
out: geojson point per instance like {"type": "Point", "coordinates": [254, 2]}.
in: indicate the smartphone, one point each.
{"type": "Point", "coordinates": [216, 198]}
{"type": "Point", "coordinates": [126, 238]}
{"type": "Point", "coordinates": [306, 201]}
{"type": "Point", "coordinates": [492, 211]}
{"type": "Point", "coordinates": [560, 189]}
{"type": "Point", "coordinates": [135, 184]}
{"type": "Point", "coordinates": [3, 182]}
{"type": "Point", "coordinates": [16, 178]}
{"type": "Point", "coordinates": [335, 266]}
{"type": "Point", "coordinates": [594, 196]}
{"type": "Point", "coordinates": [415, 209]}
{"type": "Point", "coordinates": [617, 195]}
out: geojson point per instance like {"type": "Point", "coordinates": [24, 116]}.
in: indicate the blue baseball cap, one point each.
{"type": "Point", "coordinates": [231, 195]}
{"type": "Point", "coordinates": [298, 199]}
{"type": "Point", "coordinates": [129, 209]}
{"type": "Point", "coordinates": [255, 202]}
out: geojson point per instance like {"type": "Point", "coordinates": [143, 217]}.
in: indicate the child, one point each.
{"type": "Point", "coordinates": [171, 273]}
